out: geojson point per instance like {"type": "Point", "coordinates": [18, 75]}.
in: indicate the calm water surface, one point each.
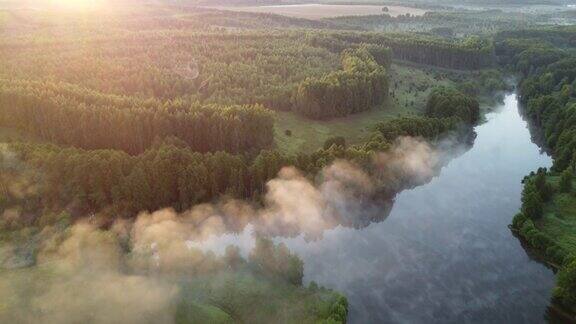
{"type": "Point", "coordinates": [445, 253]}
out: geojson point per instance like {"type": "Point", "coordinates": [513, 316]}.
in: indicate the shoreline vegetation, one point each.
{"type": "Point", "coordinates": [547, 91]}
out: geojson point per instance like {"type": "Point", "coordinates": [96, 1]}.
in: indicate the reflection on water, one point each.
{"type": "Point", "coordinates": [444, 252]}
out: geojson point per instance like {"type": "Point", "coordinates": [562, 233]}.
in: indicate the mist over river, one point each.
{"type": "Point", "coordinates": [444, 254]}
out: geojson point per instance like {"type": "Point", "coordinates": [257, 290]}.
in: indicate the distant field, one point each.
{"type": "Point", "coordinates": [319, 11]}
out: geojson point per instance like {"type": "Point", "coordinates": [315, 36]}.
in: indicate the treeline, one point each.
{"type": "Point", "coordinates": [425, 127]}
{"type": "Point", "coordinates": [528, 51]}
{"type": "Point", "coordinates": [547, 64]}
{"type": "Point", "coordinates": [446, 102]}
{"type": "Point", "coordinates": [554, 37]}
{"type": "Point", "coordinates": [444, 23]}
{"type": "Point", "coordinates": [169, 174]}
{"type": "Point", "coordinates": [165, 176]}
{"type": "Point", "coordinates": [361, 84]}
{"type": "Point", "coordinates": [468, 54]}
{"type": "Point", "coordinates": [237, 19]}
{"type": "Point", "coordinates": [70, 115]}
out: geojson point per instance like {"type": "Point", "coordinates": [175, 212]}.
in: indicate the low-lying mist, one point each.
{"type": "Point", "coordinates": [132, 271]}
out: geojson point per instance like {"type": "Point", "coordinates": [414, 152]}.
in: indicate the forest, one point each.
{"type": "Point", "coordinates": [360, 85]}
{"type": "Point", "coordinates": [68, 115]}
{"type": "Point", "coordinates": [133, 139]}
{"type": "Point", "coordinates": [142, 121]}
{"type": "Point", "coordinates": [121, 126]}
{"type": "Point", "coordinates": [170, 174]}
{"type": "Point", "coordinates": [468, 53]}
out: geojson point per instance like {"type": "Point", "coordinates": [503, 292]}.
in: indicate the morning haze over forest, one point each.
{"type": "Point", "coordinates": [285, 161]}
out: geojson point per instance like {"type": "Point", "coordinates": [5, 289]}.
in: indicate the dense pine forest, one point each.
{"type": "Point", "coordinates": [193, 110]}
{"type": "Point", "coordinates": [468, 53]}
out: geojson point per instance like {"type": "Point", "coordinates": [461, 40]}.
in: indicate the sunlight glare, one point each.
{"type": "Point", "coordinates": [79, 4]}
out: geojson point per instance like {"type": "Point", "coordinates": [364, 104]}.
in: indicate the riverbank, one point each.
{"type": "Point", "coordinates": [548, 95]}
{"type": "Point", "coordinates": [445, 245]}
{"type": "Point", "coordinates": [551, 233]}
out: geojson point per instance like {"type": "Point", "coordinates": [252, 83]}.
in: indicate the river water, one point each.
{"type": "Point", "coordinates": [445, 254]}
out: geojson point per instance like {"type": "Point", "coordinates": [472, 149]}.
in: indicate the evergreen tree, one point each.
{"type": "Point", "coordinates": [566, 181]}
{"type": "Point", "coordinates": [532, 205]}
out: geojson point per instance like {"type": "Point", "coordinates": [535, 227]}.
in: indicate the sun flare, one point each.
{"type": "Point", "coordinates": [79, 4]}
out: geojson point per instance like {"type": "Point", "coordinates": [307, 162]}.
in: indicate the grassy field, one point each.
{"type": "Point", "coordinates": [231, 297]}
{"type": "Point", "coordinates": [410, 87]}
{"type": "Point", "coordinates": [319, 11]}
{"type": "Point", "coordinates": [559, 220]}
{"type": "Point", "coordinates": [228, 297]}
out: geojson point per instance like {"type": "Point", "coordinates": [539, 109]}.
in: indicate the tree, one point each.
{"type": "Point", "coordinates": [532, 205]}
{"type": "Point", "coordinates": [277, 260]}
{"type": "Point", "coordinates": [544, 189]}
{"type": "Point", "coordinates": [444, 102]}
{"type": "Point", "coordinates": [565, 290]}
{"type": "Point", "coordinates": [566, 181]}
{"type": "Point", "coordinates": [337, 141]}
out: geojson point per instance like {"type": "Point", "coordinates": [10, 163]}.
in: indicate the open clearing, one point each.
{"type": "Point", "coordinates": [410, 87]}
{"type": "Point", "coordinates": [319, 11]}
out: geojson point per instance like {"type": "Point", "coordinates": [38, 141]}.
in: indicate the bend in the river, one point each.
{"type": "Point", "coordinates": [445, 253]}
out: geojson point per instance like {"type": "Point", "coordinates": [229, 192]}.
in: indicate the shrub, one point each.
{"type": "Point", "coordinates": [518, 221]}
{"type": "Point", "coordinates": [444, 102]}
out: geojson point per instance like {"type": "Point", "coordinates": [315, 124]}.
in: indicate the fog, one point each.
{"type": "Point", "coordinates": [129, 272]}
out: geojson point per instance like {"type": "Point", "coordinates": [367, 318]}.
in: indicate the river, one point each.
{"type": "Point", "coordinates": [445, 254]}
